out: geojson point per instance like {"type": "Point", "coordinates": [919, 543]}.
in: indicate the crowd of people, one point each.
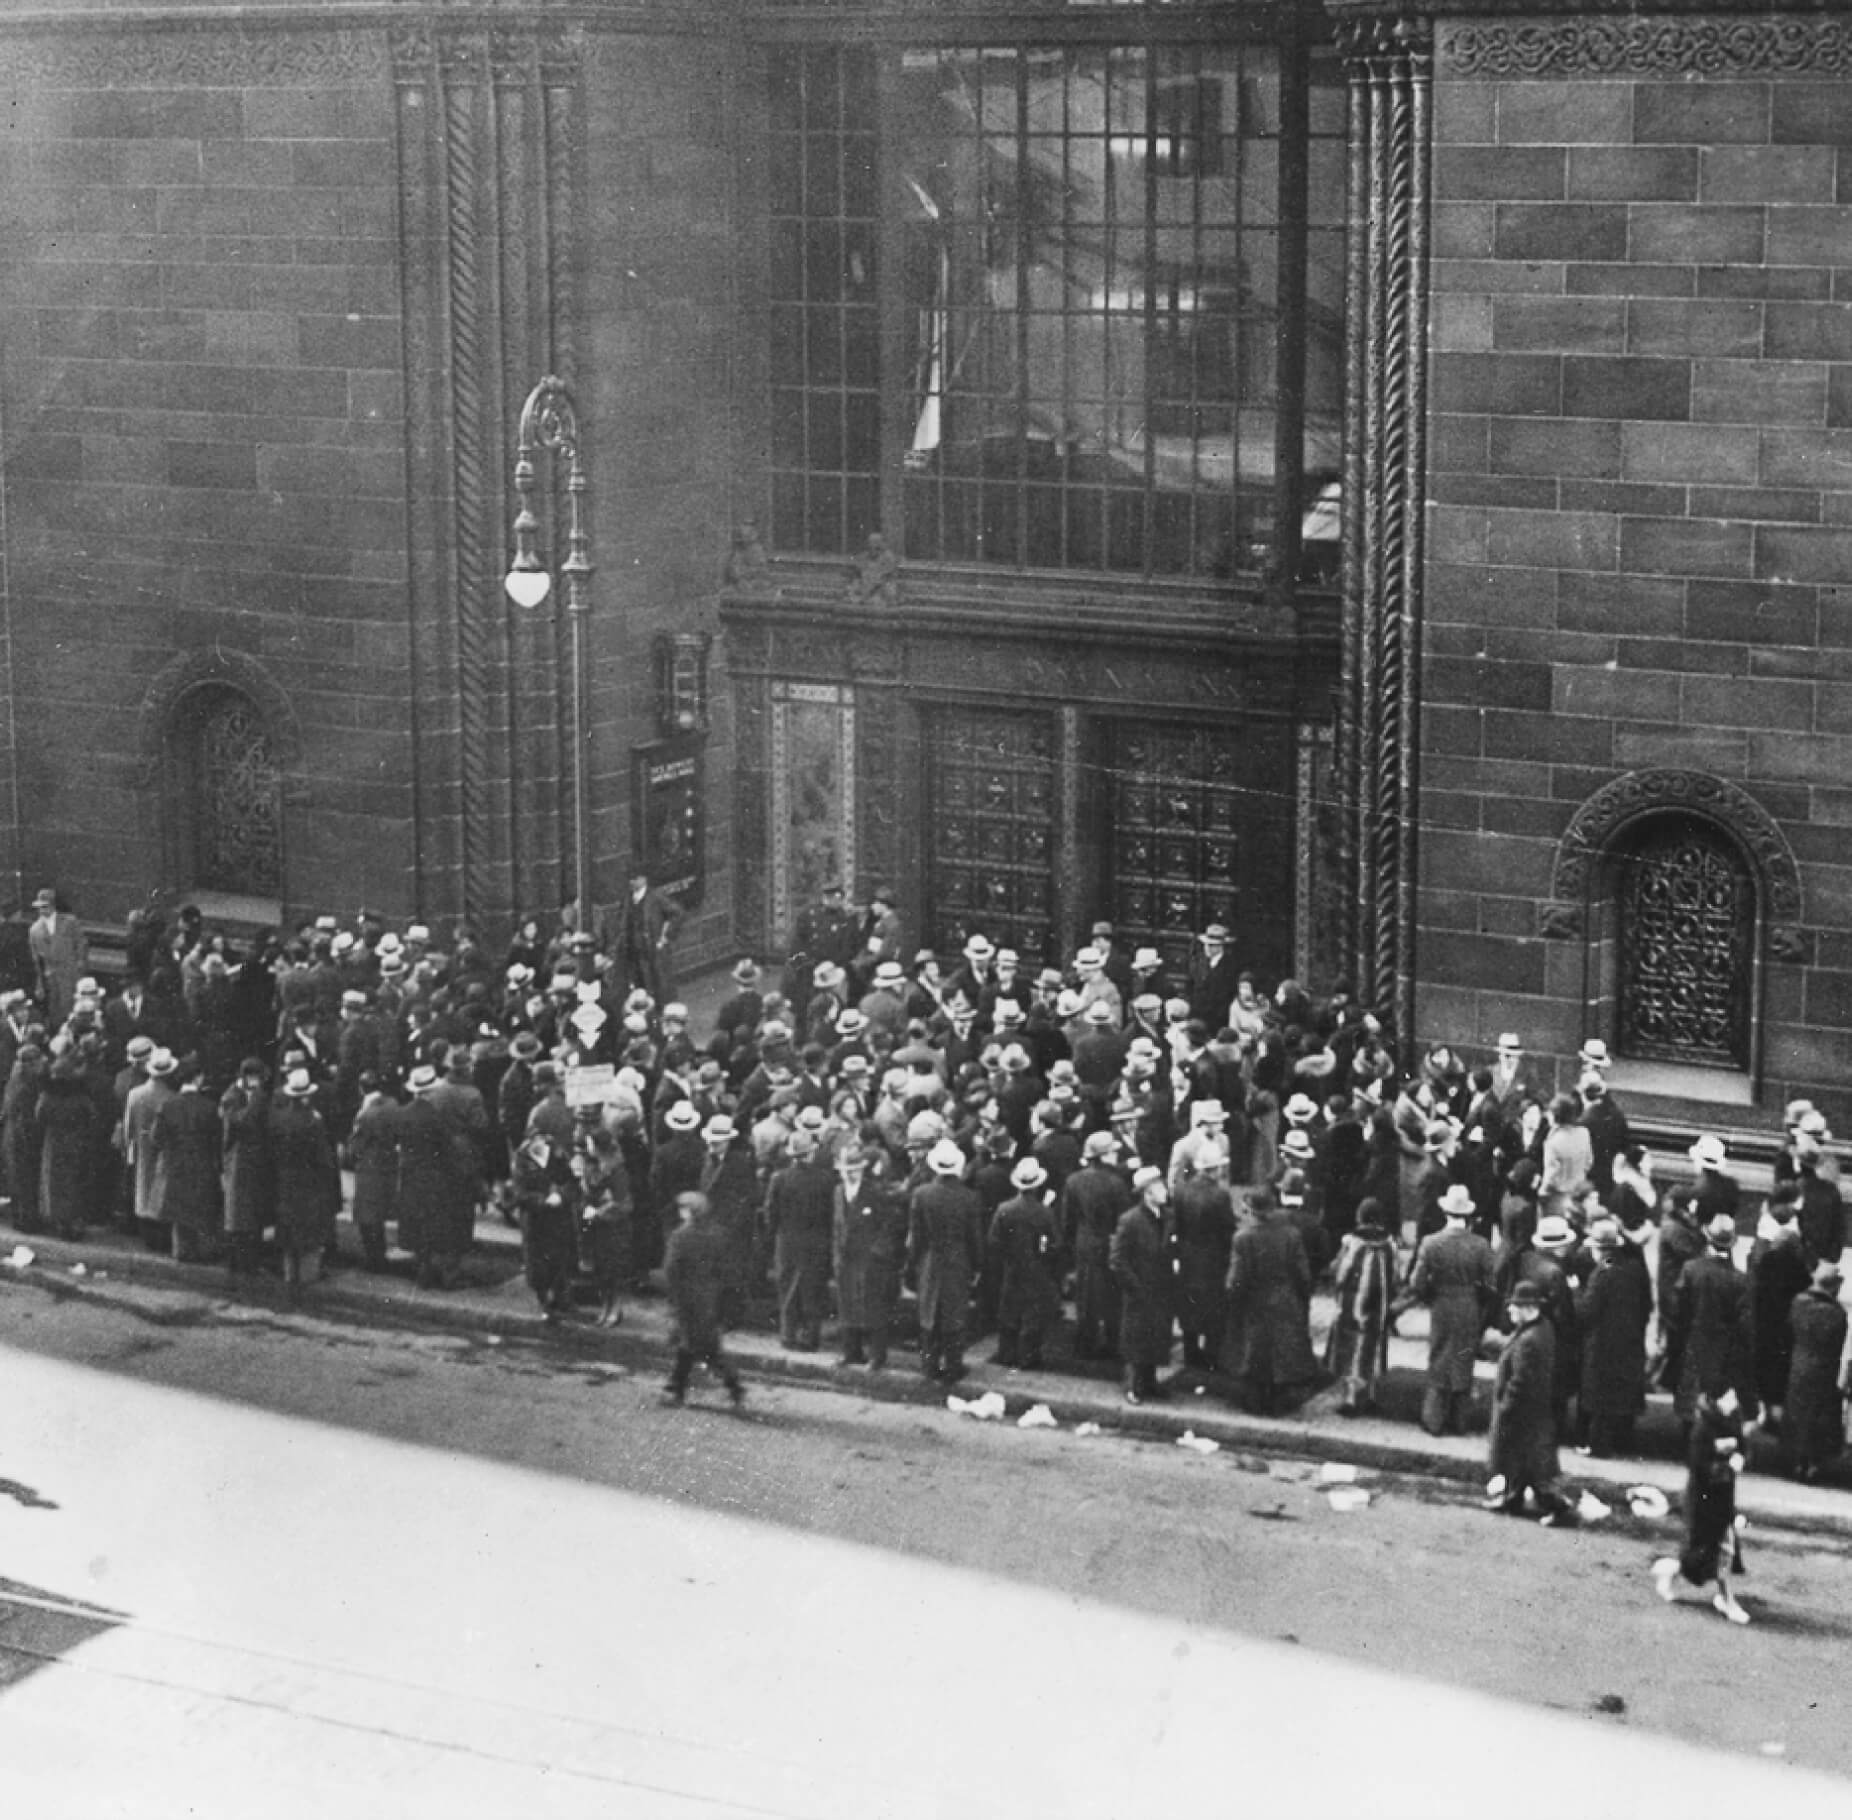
{"type": "Point", "coordinates": [1109, 1160]}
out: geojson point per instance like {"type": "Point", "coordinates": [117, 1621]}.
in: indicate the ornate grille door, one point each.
{"type": "Point", "coordinates": [1201, 832]}
{"type": "Point", "coordinates": [1687, 932]}
{"type": "Point", "coordinates": [990, 834]}
{"type": "Point", "coordinates": [236, 802]}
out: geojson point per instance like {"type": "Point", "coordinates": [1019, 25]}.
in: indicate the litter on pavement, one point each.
{"type": "Point", "coordinates": [1198, 1443]}
{"type": "Point", "coordinates": [22, 1257]}
{"type": "Point", "coordinates": [1088, 1429]}
{"type": "Point", "coordinates": [1647, 1501]}
{"type": "Point", "coordinates": [1348, 1497]}
{"type": "Point", "coordinates": [1336, 1472]}
{"type": "Point", "coordinates": [1041, 1416]}
{"type": "Point", "coordinates": [1590, 1508]}
{"type": "Point", "coordinates": [990, 1407]}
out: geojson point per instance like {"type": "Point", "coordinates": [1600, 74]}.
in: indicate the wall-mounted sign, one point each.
{"type": "Point", "coordinates": [669, 816]}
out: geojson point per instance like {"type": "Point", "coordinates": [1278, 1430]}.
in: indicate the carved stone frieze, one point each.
{"type": "Point", "coordinates": [1601, 820]}
{"type": "Point", "coordinates": [1678, 48]}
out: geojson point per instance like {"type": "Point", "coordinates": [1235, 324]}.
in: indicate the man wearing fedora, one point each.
{"type": "Point", "coordinates": [1213, 975]}
{"type": "Point", "coordinates": [1200, 1227]}
{"type": "Point", "coordinates": [1813, 1429]}
{"type": "Point", "coordinates": [646, 924]}
{"type": "Point", "coordinates": [436, 1202]}
{"type": "Point", "coordinates": [800, 1203]}
{"type": "Point", "coordinates": [1025, 1244]}
{"type": "Point", "coordinates": [976, 975]}
{"type": "Point", "coordinates": [60, 954]}
{"type": "Point", "coordinates": [1094, 1198]}
{"type": "Point", "coordinates": [1139, 1257]}
{"type": "Point", "coordinates": [1454, 1278]}
{"type": "Point", "coordinates": [945, 1250]}
{"type": "Point", "coordinates": [139, 1113]}
{"type": "Point", "coordinates": [869, 1244]}
{"type": "Point", "coordinates": [1613, 1309]}
{"type": "Point", "coordinates": [1522, 1454]}
{"type": "Point", "coordinates": [729, 1184]}
{"type": "Point", "coordinates": [1710, 1344]}
{"type": "Point", "coordinates": [308, 1182]}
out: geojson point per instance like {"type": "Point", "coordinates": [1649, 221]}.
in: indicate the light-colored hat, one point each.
{"type": "Point", "coordinates": [810, 1118]}
{"type": "Point", "coordinates": [890, 973]}
{"type": "Point", "coordinates": [1605, 1235]}
{"type": "Point", "coordinates": [1216, 932]}
{"type": "Point", "coordinates": [1089, 957]}
{"type": "Point", "coordinates": [684, 1115]}
{"type": "Point", "coordinates": [857, 1064]}
{"type": "Point", "coordinates": [298, 1086]}
{"type": "Point", "coordinates": [1301, 1109]}
{"type": "Point", "coordinates": [418, 932]}
{"type": "Point", "coordinates": [850, 1022]}
{"type": "Point", "coordinates": [1146, 960]}
{"type": "Point", "coordinates": [1438, 1133]}
{"type": "Point", "coordinates": [675, 1009]}
{"type": "Point", "coordinates": [1813, 1125]}
{"type": "Point", "coordinates": [392, 965]}
{"type": "Point", "coordinates": [1296, 1143]}
{"type": "Point", "coordinates": [1708, 1152]}
{"type": "Point", "coordinates": [162, 1062]}
{"type": "Point", "coordinates": [746, 971]}
{"type": "Point", "coordinates": [343, 943]}
{"type": "Point", "coordinates": [1208, 1112]}
{"type": "Point", "coordinates": [1028, 1174]}
{"type": "Point", "coordinates": [1457, 1202]}
{"type": "Point", "coordinates": [720, 1128]}
{"type": "Point", "coordinates": [1149, 1003]}
{"type": "Point", "coordinates": [1099, 1144]}
{"type": "Point", "coordinates": [1007, 1013]}
{"type": "Point", "coordinates": [1509, 1040]}
{"type": "Point", "coordinates": [1553, 1231]}
{"type": "Point", "coordinates": [423, 1078]}
{"type": "Point", "coordinates": [827, 977]}
{"type": "Point", "coordinates": [1795, 1111]}
{"type": "Point", "coordinates": [1008, 957]}
{"type": "Point", "coordinates": [1015, 1059]}
{"type": "Point", "coordinates": [88, 988]}
{"type": "Point", "coordinates": [1144, 1177]}
{"type": "Point", "coordinates": [945, 1158]}
{"type": "Point", "coordinates": [353, 1001]}
{"type": "Point", "coordinates": [1099, 1012]}
{"type": "Point", "coordinates": [1594, 1054]}
{"type": "Point", "coordinates": [979, 948]}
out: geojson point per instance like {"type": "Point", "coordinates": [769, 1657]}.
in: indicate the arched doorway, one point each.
{"type": "Point", "coordinates": [1685, 927]}
{"type": "Point", "coordinates": [224, 787]}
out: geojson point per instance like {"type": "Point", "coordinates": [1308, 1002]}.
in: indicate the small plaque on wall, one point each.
{"type": "Point", "coordinates": [669, 814]}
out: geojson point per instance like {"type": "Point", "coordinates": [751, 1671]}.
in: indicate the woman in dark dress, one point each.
{"type": "Point", "coordinates": [1712, 1552]}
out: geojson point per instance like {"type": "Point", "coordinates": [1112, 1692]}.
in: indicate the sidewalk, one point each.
{"type": "Point", "coordinates": [496, 1305]}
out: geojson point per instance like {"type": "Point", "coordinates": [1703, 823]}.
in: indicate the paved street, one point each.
{"type": "Point", "coordinates": [257, 1564]}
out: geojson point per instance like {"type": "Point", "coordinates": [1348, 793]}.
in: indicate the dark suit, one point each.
{"type": "Point", "coordinates": [945, 1247]}
{"type": "Point", "coordinates": [644, 926]}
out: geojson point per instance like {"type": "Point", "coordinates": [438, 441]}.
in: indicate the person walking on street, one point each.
{"type": "Point", "coordinates": [1712, 1551]}
{"type": "Point", "coordinates": [1522, 1455]}
{"type": "Point", "coordinates": [697, 1272]}
{"type": "Point", "coordinates": [1453, 1277]}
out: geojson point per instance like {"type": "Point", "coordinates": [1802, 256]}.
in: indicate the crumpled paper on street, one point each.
{"type": "Point", "coordinates": [22, 1257]}
{"type": "Point", "coordinates": [1041, 1416]}
{"type": "Point", "coordinates": [990, 1407]}
{"type": "Point", "coordinates": [1647, 1501]}
{"type": "Point", "coordinates": [1590, 1508]}
{"type": "Point", "coordinates": [1348, 1497]}
{"type": "Point", "coordinates": [1336, 1472]}
{"type": "Point", "coordinates": [1088, 1429]}
{"type": "Point", "coordinates": [1198, 1443]}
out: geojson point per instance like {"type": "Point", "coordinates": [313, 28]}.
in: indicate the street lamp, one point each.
{"type": "Point", "coordinates": [549, 421]}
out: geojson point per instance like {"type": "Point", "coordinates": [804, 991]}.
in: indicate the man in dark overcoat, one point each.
{"type": "Point", "coordinates": [730, 1185]}
{"type": "Point", "coordinates": [1453, 1276]}
{"type": "Point", "coordinates": [1025, 1241]}
{"type": "Point", "coordinates": [870, 1238]}
{"type": "Point", "coordinates": [800, 1208]}
{"type": "Point", "coordinates": [1201, 1228]}
{"type": "Point", "coordinates": [1268, 1349]}
{"type": "Point", "coordinates": [945, 1248]}
{"type": "Point", "coordinates": [1140, 1262]}
{"type": "Point", "coordinates": [696, 1270]}
{"type": "Point", "coordinates": [646, 923]}
{"type": "Point", "coordinates": [1709, 1349]}
{"type": "Point", "coordinates": [1094, 1197]}
{"type": "Point", "coordinates": [308, 1180]}
{"type": "Point", "coordinates": [1813, 1421]}
{"type": "Point", "coordinates": [546, 1194]}
{"type": "Point", "coordinates": [1614, 1307]}
{"type": "Point", "coordinates": [187, 1140]}
{"type": "Point", "coordinates": [1522, 1455]}
{"type": "Point", "coordinates": [435, 1205]}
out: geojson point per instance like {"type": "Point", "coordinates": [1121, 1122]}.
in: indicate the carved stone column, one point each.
{"type": "Point", "coordinates": [489, 123]}
{"type": "Point", "coordinates": [1390, 65]}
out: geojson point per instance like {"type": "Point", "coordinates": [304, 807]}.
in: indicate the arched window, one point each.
{"type": "Point", "coordinates": [225, 791]}
{"type": "Point", "coordinates": [1685, 928]}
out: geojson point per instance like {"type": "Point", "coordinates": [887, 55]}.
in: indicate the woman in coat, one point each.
{"type": "Point", "coordinates": [1268, 1351]}
{"type": "Point", "coordinates": [1522, 1455]}
{"type": "Point", "coordinates": [1613, 1309]}
{"type": "Point", "coordinates": [308, 1181]}
{"type": "Point", "coordinates": [186, 1139]}
{"type": "Point", "coordinates": [244, 1137]}
{"type": "Point", "coordinates": [1357, 1349]}
{"type": "Point", "coordinates": [373, 1155]}
{"type": "Point", "coordinates": [67, 1130]}
{"type": "Point", "coordinates": [21, 1137]}
{"type": "Point", "coordinates": [1713, 1459]}
{"type": "Point", "coordinates": [1813, 1419]}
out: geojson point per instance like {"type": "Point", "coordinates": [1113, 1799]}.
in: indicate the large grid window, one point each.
{"type": "Point", "coordinates": [1114, 295]}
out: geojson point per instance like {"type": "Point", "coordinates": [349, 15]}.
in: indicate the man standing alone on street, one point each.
{"type": "Point", "coordinates": [695, 1269]}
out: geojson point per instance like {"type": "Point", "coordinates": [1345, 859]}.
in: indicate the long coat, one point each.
{"type": "Point", "coordinates": [1269, 1301]}
{"type": "Point", "coordinates": [1357, 1348]}
{"type": "Point", "coordinates": [1523, 1443]}
{"type": "Point", "coordinates": [1092, 1201]}
{"type": "Point", "coordinates": [67, 1128]}
{"type": "Point", "coordinates": [1813, 1421]}
{"type": "Point", "coordinates": [1778, 1272]}
{"type": "Point", "coordinates": [869, 1237]}
{"type": "Point", "coordinates": [138, 1116]}
{"type": "Point", "coordinates": [1453, 1275]}
{"type": "Point", "coordinates": [1613, 1309]}
{"type": "Point", "coordinates": [308, 1180]}
{"type": "Point", "coordinates": [1025, 1241]}
{"type": "Point", "coordinates": [186, 1137]}
{"type": "Point", "coordinates": [1201, 1228]}
{"type": "Point", "coordinates": [435, 1201]}
{"type": "Point", "coordinates": [1709, 1349]}
{"type": "Point", "coordinates": [800, 1213]}
{"type": "Point", "coordinates": [250, 1193]}
{"type": "Point", "coordinates": [1140, 1262]}
{"type": "Point", "coordinates": [696, 1272]}
{"type": "Point", "coordinates": [945, 1247]}
{"type": "Point", "coordinates": [21, 1139]}
{"type": "Point", "coordinates": [373, 1146]}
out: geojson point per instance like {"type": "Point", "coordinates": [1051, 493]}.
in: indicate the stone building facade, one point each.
{"type": "Point", "coordinates": [1377, 477]}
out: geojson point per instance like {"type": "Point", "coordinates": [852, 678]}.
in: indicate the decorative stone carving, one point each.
{"type": "Point", "coordinates": [1654, 47]}
{"type": "Point", "coordinates": [876, 581]}
{"type": "Point", "coordinates": [216, 664]}
{"type": "Point", "coordinates": [1559, 921]}
{"type": "Point", "coordinates": [748, 569]}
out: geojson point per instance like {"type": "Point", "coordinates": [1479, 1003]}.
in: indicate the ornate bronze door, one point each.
{"type": "Point", "coordinates": [1687, 928]}
{"type": "Point", "coordinates": [236, 804]}
{"type": "Point", "coordinates": [1201, 831]}
{"type": "Point", "coordinates": [989, 839]}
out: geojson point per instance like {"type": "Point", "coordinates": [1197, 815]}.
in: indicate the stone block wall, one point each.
{"type": "Point", "coordinates": [201, 397]}
{"type": "Point", "coordinates": [1640, 487]}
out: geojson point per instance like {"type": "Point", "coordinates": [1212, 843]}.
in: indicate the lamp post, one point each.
{"type": "Point", "coordinates": [550, 421]}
